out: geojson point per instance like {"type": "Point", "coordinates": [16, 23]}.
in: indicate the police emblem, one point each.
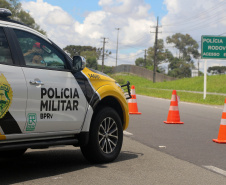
{"type": "Point", "coordinates": [6, 96]}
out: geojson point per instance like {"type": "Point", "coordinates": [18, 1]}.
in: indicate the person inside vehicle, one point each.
{"type": "Point", "coordinates": [34, 55]}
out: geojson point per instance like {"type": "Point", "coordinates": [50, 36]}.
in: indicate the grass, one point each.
{"type": "Point", "coordinates": [164, 89]}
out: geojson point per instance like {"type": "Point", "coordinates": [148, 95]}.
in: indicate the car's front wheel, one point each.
{"type": "Point", "coordinates": [106, 137]}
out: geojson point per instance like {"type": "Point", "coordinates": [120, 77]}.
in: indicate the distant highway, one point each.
{"type": "Point", "coordinates": [198, 92]}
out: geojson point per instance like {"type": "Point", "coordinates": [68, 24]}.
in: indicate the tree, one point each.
{"type": "Point", "coordinates": [187, 46]}
{"type": "Point", "coordinates": [217, 70]}
{"type": "Point", "coordinates": [162, 56]}
{"type": "Point", "coordinates": [85, 51]}
{"type": "Point", "coordinates": [179, 68]}
{"type": "Point", "coordinates": [91, 62]}
{"type": "Point", "coordinates": [19, 14]}
{"type": "Point", "coordinates": [140, 62]}
{"type": "Point", "coordinates": [188, 50]}
{"type": "Point", "coordinates": [107, 69]}
{"type": "Point", "coordinates": [92, 54]}
{"type": "Point", "coordinates": [160, 53]}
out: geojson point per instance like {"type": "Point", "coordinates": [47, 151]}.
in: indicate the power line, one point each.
{"type": "Point", "coordinates": [196, 27]}
{"type": "Point", "coordinates": [222, 34]}
{"type": "Point", "coordinates": [202, 23]}
{"type": "Point", "coordinates": [134, 41]}
{"type": "Point", "coordinates": [129, 56]}
{"type": "Point", "coordinates": [197, 16]}
{"type": "Point", "coordinates": [202, 26]}
{"type": "Point", "coordinates": [126, 45]}
{"type": "Point", "coordinates": [208, 18]}
{"type": "Point", "coordinates": [218, 35]}
{"type": "Point", "coordinates": [133, 47]}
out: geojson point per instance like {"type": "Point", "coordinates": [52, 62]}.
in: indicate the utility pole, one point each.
{"type": "Point", "coordinates": [145, 58]}
{"type": "Point", "coordinates": [103, 52]}
{"type": "Point", "coordinates": [156, 47]}
{"type": "Point", "coordinates": [117, 46]}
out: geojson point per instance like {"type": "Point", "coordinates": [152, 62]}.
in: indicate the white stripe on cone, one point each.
{"type": "Point", "coordinates": [224, 108]}
{"type": "Point", "coordinates": [132, 101]}
{"type": "Point", "coordinates": [173, 98]}
{"type": "Point", "coordinates": [173, 108]}
{"type": "Point", "coordinates": [223, 121]}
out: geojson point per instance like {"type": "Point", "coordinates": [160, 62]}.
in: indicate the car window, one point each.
{"type": "Point", "coordinates": [5, 54]}
{"type": "Point", "coordinates": [38, 52]}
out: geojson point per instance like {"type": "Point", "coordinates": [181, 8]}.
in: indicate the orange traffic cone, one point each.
{"type": "Point", "coordinates": [173, 115]}
{"type": "Point", "coordinates": [133, 109]}
{"type": "Point", "coordinates": [222, 131]}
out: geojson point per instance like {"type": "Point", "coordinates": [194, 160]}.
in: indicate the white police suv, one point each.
{"type": "Point", "coordinates": [48, 99]}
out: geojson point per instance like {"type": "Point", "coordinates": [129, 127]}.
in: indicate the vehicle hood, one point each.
{"type": "Point", "coordinates": [95, 76]}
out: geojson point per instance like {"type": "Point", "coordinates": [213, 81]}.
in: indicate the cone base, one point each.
{"type": "Point", "coordinates": [134, 112]}
{"type": "Point", "coordinates": [173, 122]}
{"type": "Point", "coordinates": [219, 141]}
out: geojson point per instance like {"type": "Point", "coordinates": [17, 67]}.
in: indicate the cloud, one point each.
{"type": "Point", "coordinates": [195, 18]}
{"type": "Point", "coordinates": [134, 19]}
{"type": "Point", "coordinates": [124, 58]}
{"type": "Point", "coordinates": [52, 19]}
{"type": "Point", "coordinates": [129, 8]}
{"type": "Point", "coordinates": [131, 16]}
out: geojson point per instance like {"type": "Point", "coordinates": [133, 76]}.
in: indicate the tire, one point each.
{"type": "Point", "coordinates": [12, 153]}
{"type": "Point", "coordinates": [105, 138]}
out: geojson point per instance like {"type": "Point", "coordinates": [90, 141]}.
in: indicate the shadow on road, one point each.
{"type": "Point", "coordinates": [39, 164]}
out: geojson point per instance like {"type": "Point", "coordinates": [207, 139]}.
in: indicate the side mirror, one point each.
{"type": "Point", "coordinates": [79, 63]}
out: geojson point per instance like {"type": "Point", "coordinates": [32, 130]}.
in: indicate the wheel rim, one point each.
{"type": "Point", "coordinates": [108, 135]}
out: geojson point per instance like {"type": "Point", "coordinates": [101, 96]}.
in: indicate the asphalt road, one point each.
{"type": "Point", "coordinates": [191, 141]}
{"type": "Point", "coordinates": [136, 164]}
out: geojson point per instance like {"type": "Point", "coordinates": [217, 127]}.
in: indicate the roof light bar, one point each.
{"type": "Point", "coordinates": [5, 12]}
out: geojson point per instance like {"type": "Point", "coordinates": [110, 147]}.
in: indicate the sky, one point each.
{"type": "Point", "coordinates": [76, 22]}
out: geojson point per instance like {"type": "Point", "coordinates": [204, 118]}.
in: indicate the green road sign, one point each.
{"type": "Point", "coordinates": [213, 47]}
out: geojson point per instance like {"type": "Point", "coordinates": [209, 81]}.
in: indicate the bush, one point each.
{"type": "Point", "coordinates": [119, 79]}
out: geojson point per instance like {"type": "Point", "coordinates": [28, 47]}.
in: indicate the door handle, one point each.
{"type": "Point", "coordinates": [35, 82]}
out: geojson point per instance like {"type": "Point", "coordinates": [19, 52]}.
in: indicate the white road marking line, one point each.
{"type": "Point", "coordinates": [55, 178]}
{"type": "Point", "coordinates": [217, 170]}
{"type": "Point", "coordinates": [162, 146]}
{"type": "Point", "coordinates": [209, 106]}
{"type": "Point", "coordinates": [127, 133]}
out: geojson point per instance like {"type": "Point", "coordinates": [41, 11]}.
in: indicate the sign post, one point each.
{"type": "Point", "coordinates": [205, 75]}
{"type": "Point", "coordinates": [213, 47]}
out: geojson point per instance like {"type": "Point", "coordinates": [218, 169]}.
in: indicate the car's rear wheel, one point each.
{"type": "Point", "coordinates": [12, 153]}
{"type": "Point", "coordinates": [106, 137]}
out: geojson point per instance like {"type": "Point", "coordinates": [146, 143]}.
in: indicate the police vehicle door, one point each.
{"type": "Point", "coordinates": [55, 100]}
{"type": "Point", "coordinates": [13, 90]}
